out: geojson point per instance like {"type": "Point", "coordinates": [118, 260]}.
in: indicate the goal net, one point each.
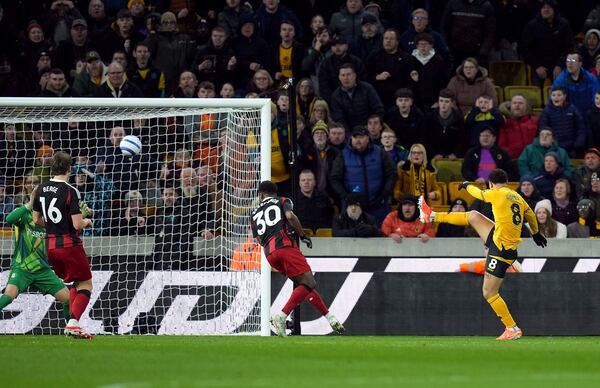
{"type": "Point", "coordinates": [170, 248]}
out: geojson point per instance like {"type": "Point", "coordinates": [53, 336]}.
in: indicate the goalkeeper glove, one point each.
{"type": "Point", "coordinates": [305, 239]}
{"type": "Point", "coordinates": [85, 209]}
{"type": "Point", "coordinates": [463, 185]}
{"type": "Point", "coordinates": [540, 240]}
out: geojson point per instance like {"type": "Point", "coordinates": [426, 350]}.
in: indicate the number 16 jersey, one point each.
{"type": "Point", "coordinates": [269, 224]}
{"type": "Point", "coordinates": [57, 201]}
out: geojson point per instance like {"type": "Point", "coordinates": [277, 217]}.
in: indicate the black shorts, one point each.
{"type": "Point", "coordinates": [498, 260]}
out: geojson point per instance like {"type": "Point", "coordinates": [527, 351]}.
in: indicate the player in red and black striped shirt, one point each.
{"type": "Point", "coordinates": [56, 206]}
{"type": "Point", "coordinates": [274, 225]}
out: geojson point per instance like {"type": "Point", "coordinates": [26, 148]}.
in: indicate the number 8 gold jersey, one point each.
{"type": "Point", "coordinates": [510, 210]}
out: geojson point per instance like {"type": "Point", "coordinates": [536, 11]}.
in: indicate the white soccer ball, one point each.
{"type": "Point", "coordinates": [130, 145]}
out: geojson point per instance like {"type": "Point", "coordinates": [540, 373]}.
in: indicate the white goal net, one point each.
{"type": "Point", "coordinates": [169, 247]}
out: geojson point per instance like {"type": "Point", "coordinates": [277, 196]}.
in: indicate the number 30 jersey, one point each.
{"type": "Point", "coordinates": [269, 224]}
{"type": "Point", "coordinates": [57, 201]}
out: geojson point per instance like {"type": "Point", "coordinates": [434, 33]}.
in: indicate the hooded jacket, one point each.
{"type": "Point", "coordinates": [395, 222]}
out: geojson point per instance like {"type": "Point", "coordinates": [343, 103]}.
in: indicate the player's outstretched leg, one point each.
{"type": "Point", "coordinates": [10, 293]}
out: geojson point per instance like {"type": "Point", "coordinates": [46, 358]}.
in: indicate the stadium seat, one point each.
{"type": "Point", "coordinates": [576, 162]}
{"type": "Point", "coordinates": [440, 208]}
{"type": "Point", "coordinates": [546, 94]}
{"type": "Point", "coordinates": [533, 94]}
{"type": "Point", "coordinates": [324, 232]}
{"type": "Point", "coordinates": [454, 193]}
{"type": "Point", "coordinates": [537, 111]}
{"type": "Point", "coordinates": [441, 186]}
{"type": "Point", "coordinates": [505, 73]}
{"type": "Point", "coordinates": [448, 170]}
{"type": "Point", "coordinates": [513, 185]}
{"type": "Point", "coordinates": [499, 94]}
{"type": "Point", "coordinates": [308, 232]}
{"type": "Point", "coordinates": [5, 232]}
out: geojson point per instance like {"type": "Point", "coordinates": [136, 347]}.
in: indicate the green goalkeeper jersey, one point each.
{"type": "Point", "coordinates": [29, 253]}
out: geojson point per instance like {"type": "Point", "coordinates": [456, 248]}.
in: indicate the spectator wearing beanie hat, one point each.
{"type": "Point", "coordinates": [319, 156]}
{"type": "Point", "coordinates": [353, 221]}
{"type": "Point", "coordinates": [548, 226]}
{"type": "Point", "coordinates": [33, 45]}
{"type": "Point", "coordinates": [404, 222]}
{"type": "Point", "coordinates": [528, 191]}
{"type": "Point", "coordinates": [549, 174]}
{"type": "Point", "coordinates": [449, 230]}
{"type": "Point", "coordinates": [587, 225]}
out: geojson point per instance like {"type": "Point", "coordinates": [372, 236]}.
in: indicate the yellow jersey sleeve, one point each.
{"type": "Point", "coordinates": [531, 219]}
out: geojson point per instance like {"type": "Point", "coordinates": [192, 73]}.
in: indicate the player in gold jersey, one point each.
{"type": "Point", "coordinates": [501, 237]}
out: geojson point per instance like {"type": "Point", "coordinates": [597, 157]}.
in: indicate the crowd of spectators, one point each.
{"type": "Point", "coordinates": [382, 89]}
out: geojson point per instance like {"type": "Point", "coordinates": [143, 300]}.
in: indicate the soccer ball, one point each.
{"type": "Point", "coordinates": [130, 145]}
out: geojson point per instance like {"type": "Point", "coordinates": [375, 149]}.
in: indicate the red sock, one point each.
{"type": "Point", "coordinates": [72, 295]}
{"type": "Point", "coordinates": [80, 303]}
{"type": "Point", "coordinates": [315, 299]}
{"type": "Point", "coordinates": [298, 295]}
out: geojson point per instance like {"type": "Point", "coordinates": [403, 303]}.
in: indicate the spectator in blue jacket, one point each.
{"type": "Point", "coordinates": [366, 169]}
{"type": "Point", "coordinates": [580, 84]}
{"type": "Point", "coordinates": [566, 121]}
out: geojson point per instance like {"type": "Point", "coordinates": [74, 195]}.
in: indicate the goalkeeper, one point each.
{"type": "Point", "coordinates": [29, 266]}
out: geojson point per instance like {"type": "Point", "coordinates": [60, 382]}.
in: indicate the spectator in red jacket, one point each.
{"type": "Point", "coordinates": [519, 128]}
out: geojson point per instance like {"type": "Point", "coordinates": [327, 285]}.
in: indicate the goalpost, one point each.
{"type": "Point", "coordinates": [170, 248]}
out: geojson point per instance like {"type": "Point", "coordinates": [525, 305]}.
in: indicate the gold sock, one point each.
{"type": "Point", "coordinates": [454, 218]}
{"type": "Point", "coordinates": [501, 309]}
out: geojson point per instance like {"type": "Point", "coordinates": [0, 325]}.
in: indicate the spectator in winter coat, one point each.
{"type": "Point", "coordinates": [417, 177]}
{"type": "Point", "coordinates": [347, 22]}
{"type": "Point", "coordinates": [581, 85]}
{"type": "Point", "coordinates": [582, 176]}
{"type": "Point", "coordinates": [563, 208]}
{"type": "Point", "coordinates": [396, 152]}
{"type": "Point", "coordinates": [470, 82]}
{"type": "Point", "coordinates": [354, 101]}
{"type": "Point", "coordinates": [592, 121]}
{"type": "Point", "coordinates": [407, 120]}
{"type": "Point", "coordinates": [420, 24]}
{"type": "Point", "coordinates": [251, 51]}
{"type": "Point", "coordinates": [431, 73]}
{"type": "Point", "coordinates": [445, 128]}
{"type": "Point", "coordinates": [269, 16]}
{"type": "Point", "coordinates": [551, 172]}
{"type": "Point", "coordinates": [528, 191]}
{"type": "Point", "coordinates": [216, 61]}
{"type": "Point", "coordinates": [318, 155]}
{"type": "Point", "coordinates": [353, 221]}
{"type": "Point", "coordinates": [370, 39]}
{"type": "Point", "coordinates": [72, 50]}
{"type": "Point", "coordinates": [390, 68]}
{"type": "Point", "coordinates": [531, 159]}
{"type": "Point", "coordinates": [313, 207]}
{"type": "Point", "coordinates": [57, 86]}
{"type": "Point", "coordinates": [590, 49]}
{"type": "Point", "coordinates": [481, 160]}
{"type": "Point", "coordinates": [91, 76]}
{"type": "Point", "coordinates": [548, 226]}
{"type": "Point", "coordinates": [172, 51]}
{"type": "Point", "coordinates": [586, 225]}
{"type": "Point", "coordinates": [365, 169]}
{"type": "Point", "coordinates": [121, 36]}
{"type": "Point", "coordinates": [469, 27]}
{"type": "Point", "coordinates": [149, 79]}
{"type": "Point", "coordinates": [116, 85]}
{"type": "Point", "coordinates": [547, 39]}
{"type": "Point", "coordinates": [231, 15]}
{"type": "Point", "coordinates": [482, 115]}
{"type": "Point", "coordinates": [519, 127]}
{"type": "Point", "coordinates": [404, 222]}
{"type": "Point", "coordinates": [328, 72]}
{"type": "Point", "coordinates": [566, 121]}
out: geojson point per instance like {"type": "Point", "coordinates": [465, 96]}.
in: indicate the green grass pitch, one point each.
{"type": "Point", "coordinates": [343, 361]}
